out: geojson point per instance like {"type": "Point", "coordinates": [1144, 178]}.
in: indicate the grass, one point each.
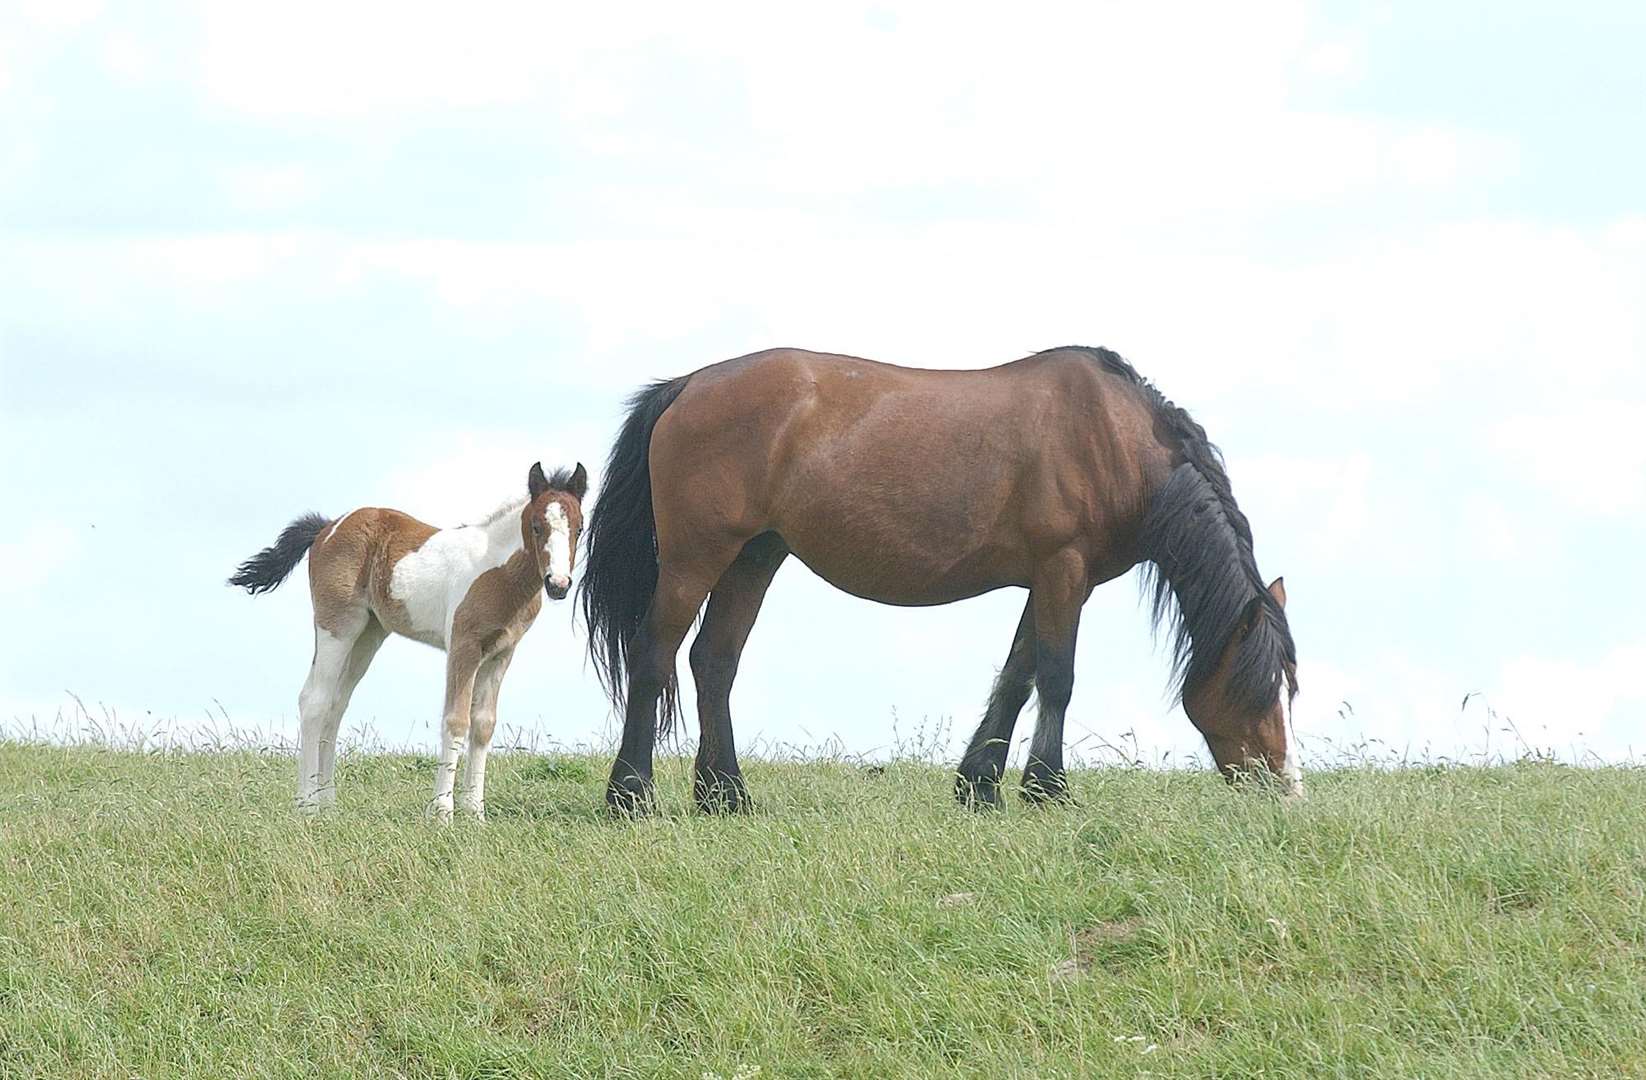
{"type": "Point", "coordinates": [165, 914]}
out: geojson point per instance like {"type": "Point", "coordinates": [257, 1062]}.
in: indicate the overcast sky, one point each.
{"type": "Point", "coordinates": [262, 259]}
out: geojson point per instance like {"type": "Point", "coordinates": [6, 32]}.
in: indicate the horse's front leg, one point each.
{"type": "Point", "coordinates": [482, 723]}
{"type": "Point", "coordinates": [977, 778]}
{"type": "Point", "coordinates": [1059, 590]}
{"type": "Point", "coordinates": [462, 664]}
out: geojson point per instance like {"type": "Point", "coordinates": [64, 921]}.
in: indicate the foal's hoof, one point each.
{"type": "Point", "coordinates": [977, 793]}
{"type": "Point", "coordinates": [1042, 788]}
{"type": "Point", "coordinates": [721, 793]}
{"type": "Point", "coordinates": [629, 798]}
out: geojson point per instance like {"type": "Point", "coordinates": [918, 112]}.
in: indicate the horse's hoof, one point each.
{"type": "Point", "coordinates": [631, 799]}
{"type": "Point", "coordinates": [1040, 789]}
{"type": "Point", "coordinates": [721, 793]}
{"type": "Point", "coordinates": [979, 793]}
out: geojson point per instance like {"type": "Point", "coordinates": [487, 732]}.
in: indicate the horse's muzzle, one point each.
{"type": "Point", "coordinates": [557, 590]}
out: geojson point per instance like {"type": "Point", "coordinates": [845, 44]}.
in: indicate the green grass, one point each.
{"type": "Point", "coordinates": [167, 915]}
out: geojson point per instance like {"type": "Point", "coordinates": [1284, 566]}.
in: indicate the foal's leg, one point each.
{"type": "Point", "coordinates": [977, 779]}
{"type": "Point", "coordinates": [1058, 593]}
{"type": "Point", "coordinates": [717, 782]}
{"type": "Point", "coordinates": [483, 721]}
{"type": "Point", "coordinates": [320, 709]}
{"type": "Point", "coordinates": [365, 648]}
{"type": "Point", "coordinates": [462, 665]}
{"type": "Point", "coordinates": [681, 588]}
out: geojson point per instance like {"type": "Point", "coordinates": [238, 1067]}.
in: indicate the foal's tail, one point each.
{"type": "Point", "coordinates": [620, 567]}
{"type": "Point", "coordinates": [269, 567]}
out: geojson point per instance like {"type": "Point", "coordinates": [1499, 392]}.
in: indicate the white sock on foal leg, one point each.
{"type": "Point", "coordinates": [474, 779]}
{"type": "Point", "coordinates": [454, 728]}
{"type": "Point", "coordinates": [445, 774]}
{"type": "Point", "coordinates": [319, 709]}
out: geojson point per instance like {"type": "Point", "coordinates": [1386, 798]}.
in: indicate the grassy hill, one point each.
{"type": "Point", "coordinates": [167, 915]}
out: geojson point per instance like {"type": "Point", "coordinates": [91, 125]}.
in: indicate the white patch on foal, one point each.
{"type": "Point", "coordinates": [560, 546]}
{"type": "Point", "coordinates": [433, 580]}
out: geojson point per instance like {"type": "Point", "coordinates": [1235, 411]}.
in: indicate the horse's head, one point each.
{"type": "Point", "coordinates": [551, 522]}
{"type": "Point", "coordinates": [1245, 741]}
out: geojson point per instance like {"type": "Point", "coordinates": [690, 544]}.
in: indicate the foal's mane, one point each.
{"type": "Point", "coordinates": [559, 480]}
{"type": "Point", "coordinates": [508, 507]}
{"type": "Point", "coordinates": [1198, 547]}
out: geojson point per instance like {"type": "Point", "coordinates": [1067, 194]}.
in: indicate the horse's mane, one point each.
{"type": "Point", "coordinates": [1198, 547]}
{"type": "Point", "coordinates": [512, 505]}
{"type": "Point", "coordinates": [559, 480]}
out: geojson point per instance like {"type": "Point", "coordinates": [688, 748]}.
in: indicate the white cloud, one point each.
{"type": "Point", "coordinates": [348, 60]}
{"type": "Point", "coordinates": [1590, 455]}
{"type": "Point", "coordinates": [464, 475]}
{"type": "Point", "coordinates": [59, 15]}
{"type": "Point", "coordinates": [32, 559]}
{"type": "Point", "coordinates": [128, 59]}
{"type": "Point", "coordinates": [262, 187]}
{"type": "Point", "coordinates": [1559, 703]}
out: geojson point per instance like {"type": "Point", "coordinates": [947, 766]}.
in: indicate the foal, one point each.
{"type": "Point", "coordinates": [471, 591]}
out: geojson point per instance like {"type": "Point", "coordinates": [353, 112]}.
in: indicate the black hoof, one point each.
{"type": "Point", "coordinates": [977, 793]}
{"type": "Point", "coordinates": [1044, 786]}
{"type": "Point", "coordinates": [630, 797]}
{"type": "Point", "coordinates": [721, 793]}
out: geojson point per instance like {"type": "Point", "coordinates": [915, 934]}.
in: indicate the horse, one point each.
{"type": "Point", "coordinates": [1056, 473]}
{"type": "Point", "coordinates": [472, 591]}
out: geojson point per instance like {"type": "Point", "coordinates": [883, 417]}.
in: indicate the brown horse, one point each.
{"type": "Point", "coordinates": [1057, 472]}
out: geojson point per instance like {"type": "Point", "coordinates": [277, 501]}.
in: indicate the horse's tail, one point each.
{"type": "Point", "coordinates": [269, 567]}
{"type": "Point", "coordinates": [620, 568]}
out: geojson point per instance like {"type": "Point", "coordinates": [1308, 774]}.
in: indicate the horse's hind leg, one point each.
{"type": "Point", "coordinates": [1059, 591]}
{"type": "Point", "coordinates": [717, 782]}
{"type": "Point", "coordinates": [681, 589]}
{"type": "Point", "coordinates": [320, 708]}
{"type": "Point", "coordinates": [482, 723]}
{"type": "Point", "coordinates": [977, 779]}
{"type": "Point", "coordinates": [366, 644]}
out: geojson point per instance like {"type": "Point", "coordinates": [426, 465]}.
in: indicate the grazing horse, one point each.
{"type": "Point", "coordinates": [1056, 472]}
{"type": "Point", "coordinates": [472, 591]}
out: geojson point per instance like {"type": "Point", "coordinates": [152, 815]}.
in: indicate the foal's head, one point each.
{"type": "Point", "coordinates": [551, 522]}
{"type": "Point", "coordinates": [1245, 740]}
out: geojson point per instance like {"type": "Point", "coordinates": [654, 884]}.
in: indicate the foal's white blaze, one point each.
{"type": "Point", "coordinates": [560, 546]}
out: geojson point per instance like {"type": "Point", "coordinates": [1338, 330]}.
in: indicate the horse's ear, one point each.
{"type": "Point", "coordinates": [1277, 589]}
{"type": "Point", "coordinates": [536, 482]}
{"type": "Point", "coordinates": [1250, 616]}
{"type": "Point", "coordinates": [579, 485]}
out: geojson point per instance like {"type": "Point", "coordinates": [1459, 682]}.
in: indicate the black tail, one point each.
{"type": "Point", "coordinates": [620, 562]}
{"type": "Point", "coordinates": [269, 567]}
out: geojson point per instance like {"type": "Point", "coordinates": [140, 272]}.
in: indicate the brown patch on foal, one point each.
{"type": "Point", "coordinates": [351, 565]}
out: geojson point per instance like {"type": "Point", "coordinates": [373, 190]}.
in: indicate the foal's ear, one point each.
{"type": "Point", "coordinates": [1277, 589]}
{"type": "Point", "coordinates": [536, 482]}
{"type": "Point", "coordinates": [579, 483]}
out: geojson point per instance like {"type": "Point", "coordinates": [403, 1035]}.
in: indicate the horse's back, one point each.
{"type": "Point", "coordinates": [911, 485]}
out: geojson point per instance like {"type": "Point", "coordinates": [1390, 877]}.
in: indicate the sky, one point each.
{"type": "Point", "coordinates": [257, 260]}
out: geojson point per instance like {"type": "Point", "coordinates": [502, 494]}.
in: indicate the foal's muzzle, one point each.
{"type": "Point", "coordinates": [557, 588]}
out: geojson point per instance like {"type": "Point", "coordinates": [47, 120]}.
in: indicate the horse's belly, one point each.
{"type": "Point", "coordinates": [886, 577]}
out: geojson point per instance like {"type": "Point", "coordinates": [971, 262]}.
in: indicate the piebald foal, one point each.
{"type": "Point", "coordinates": [471, 591]}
